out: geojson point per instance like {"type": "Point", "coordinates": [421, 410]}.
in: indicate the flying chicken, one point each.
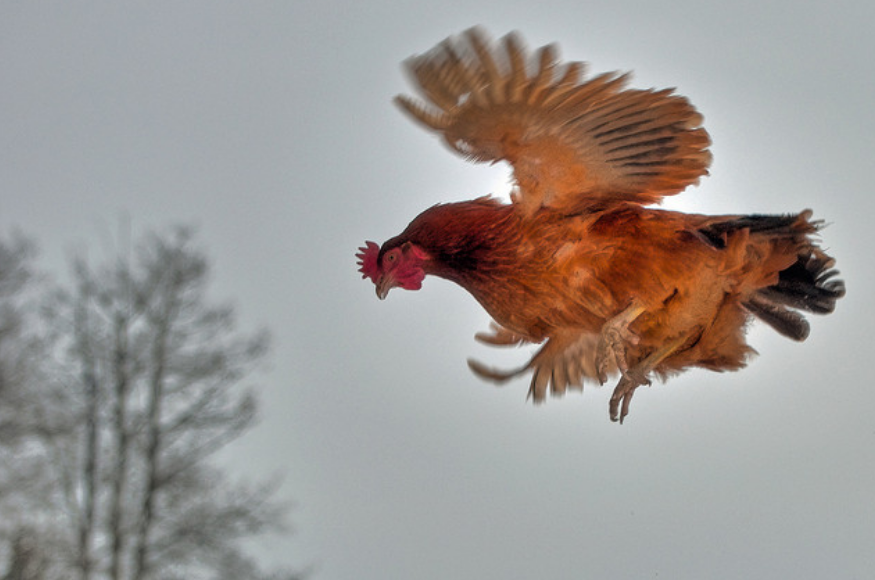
{"type": "Point", "coordinates": [577, 261]}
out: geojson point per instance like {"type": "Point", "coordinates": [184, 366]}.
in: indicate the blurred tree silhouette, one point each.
{"type": "Point", "coordinates": [117, 407]}
{"type": "Point", "coordinates": [19, 346]}
{"type": "Point", "coordinates": [20, 354]}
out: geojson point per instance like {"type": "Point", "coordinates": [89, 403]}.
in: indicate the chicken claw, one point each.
{"type": "Point", "coordinates": [623, 392]}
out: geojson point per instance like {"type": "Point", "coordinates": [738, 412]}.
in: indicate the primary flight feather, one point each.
{"type": "Point", "coordinates": [577, 261]}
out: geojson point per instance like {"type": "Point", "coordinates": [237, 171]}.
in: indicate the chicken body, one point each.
{"type": "Point", "coordinates": [690, 282]}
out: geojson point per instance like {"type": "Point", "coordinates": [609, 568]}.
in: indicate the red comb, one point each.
{"type": "Point", "coordinates": [368, 261]}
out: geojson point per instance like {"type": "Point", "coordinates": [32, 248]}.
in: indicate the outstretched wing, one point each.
{"type": "Point", "coordinates": [570, 141]}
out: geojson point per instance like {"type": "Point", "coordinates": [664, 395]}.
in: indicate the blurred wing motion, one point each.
{"type": "Point", "coordinates": [570, 141]}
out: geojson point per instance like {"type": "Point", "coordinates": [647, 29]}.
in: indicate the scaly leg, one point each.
{"type": "Point", "coordinates": [637, 376]}
{"type": "Point", "coordinates": [614, 337]}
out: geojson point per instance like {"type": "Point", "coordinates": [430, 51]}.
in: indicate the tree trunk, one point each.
{"type": "Point", "coordinates": [153, 443]}
{"type": "Point", "coordinates": [92, 440]}
{"type": "Point", "coordinates": [116, 531]}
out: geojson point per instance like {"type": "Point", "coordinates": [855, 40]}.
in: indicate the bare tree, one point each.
{"type": "Point", "coordinates": [25, 483]}
{"type": "Point", "coordinates": [20, 354]}
{"type": "Point", "coordinates": [15, 370]}
{"type": "Point", "coordinates": [148, 385]}
{"type": "Point", "coordinates": [17, 346]}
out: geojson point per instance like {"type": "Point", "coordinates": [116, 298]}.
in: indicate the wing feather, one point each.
{"type": "Point", "coordinates": [570, 141]}
{"type": "Point", "coordinates": [565, 86]}
{"type": "Point", "coordinates": [562, 363]}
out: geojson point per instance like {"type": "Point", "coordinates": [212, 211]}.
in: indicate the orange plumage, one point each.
{"type": "Point", "coordinates": [577, 260]}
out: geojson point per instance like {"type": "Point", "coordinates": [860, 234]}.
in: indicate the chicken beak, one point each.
{"type": "Point", "coordinates": [384, 284]}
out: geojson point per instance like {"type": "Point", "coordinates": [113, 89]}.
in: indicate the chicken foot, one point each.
{"type": "Point", "coordinates": [637, 376]}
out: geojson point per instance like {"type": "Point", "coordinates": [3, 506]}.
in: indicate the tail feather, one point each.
{"type": "Point", "coordinates": [787, 322]}
{"type": "Point", "coordinates": [809, 284]}
{"type": "Point", "coordinates": [716, 233]}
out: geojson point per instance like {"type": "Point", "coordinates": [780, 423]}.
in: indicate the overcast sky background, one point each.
{"type": "Point", "coordinates": [269, 126]}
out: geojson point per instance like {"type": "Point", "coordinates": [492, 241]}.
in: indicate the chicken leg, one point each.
{"type": "Point", "coordinates": [615, 335]}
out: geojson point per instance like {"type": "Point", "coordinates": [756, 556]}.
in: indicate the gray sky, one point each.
{"type": "Point", "coordinates": [269, 125]}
